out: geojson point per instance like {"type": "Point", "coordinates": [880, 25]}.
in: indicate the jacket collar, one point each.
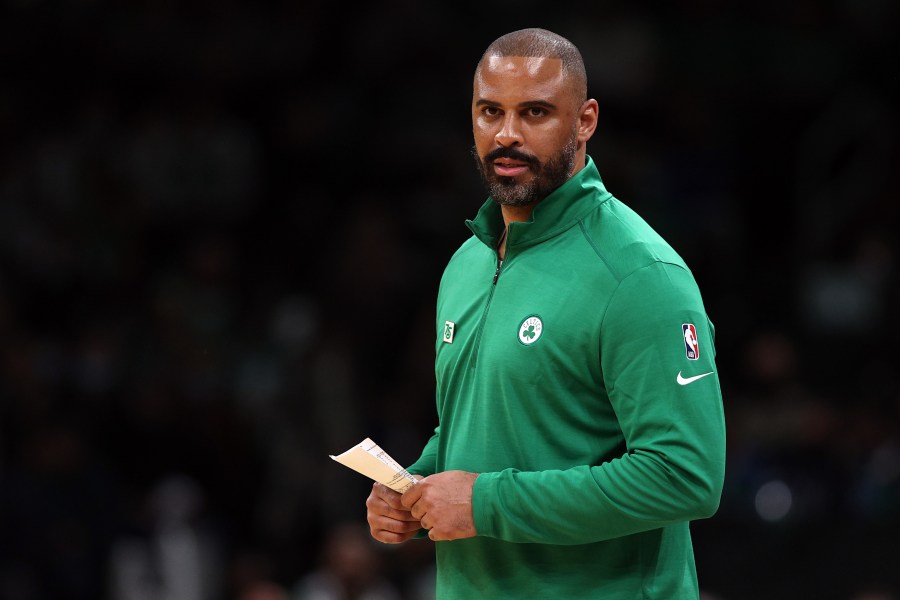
{"type": "Point", "coordinates": [565, 206]}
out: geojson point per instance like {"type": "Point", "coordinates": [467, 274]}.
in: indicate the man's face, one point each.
{"type": "Point", "coordinates": [525, 124]}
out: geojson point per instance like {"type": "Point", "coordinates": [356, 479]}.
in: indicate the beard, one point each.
{"type": "Point", "coordinates": [546, 176]}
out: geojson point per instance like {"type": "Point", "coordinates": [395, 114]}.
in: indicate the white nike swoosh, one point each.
{"type": "Point", "coordinates": [686, 380]}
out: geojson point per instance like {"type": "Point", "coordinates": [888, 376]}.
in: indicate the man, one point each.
{"type": "Point", "coordinates": [580, 416]}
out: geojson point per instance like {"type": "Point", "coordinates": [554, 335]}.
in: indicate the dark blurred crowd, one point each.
{"type": "Point", "coordinates": [222, 226]}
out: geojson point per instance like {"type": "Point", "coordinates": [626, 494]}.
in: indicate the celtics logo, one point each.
{"type": "Point", "coordinates": [530, 330]}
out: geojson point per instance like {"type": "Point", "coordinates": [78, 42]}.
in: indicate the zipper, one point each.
{"type": "Point", "coordinates": [484, 313]}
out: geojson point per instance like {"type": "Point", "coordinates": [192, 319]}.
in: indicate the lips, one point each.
{"type": "Point", "coordinates": [505, 167]}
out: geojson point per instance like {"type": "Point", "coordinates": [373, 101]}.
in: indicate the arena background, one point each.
{"type": "Point", "coordinates": [222, 226]}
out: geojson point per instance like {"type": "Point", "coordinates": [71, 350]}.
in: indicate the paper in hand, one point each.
{"type": "Point", "coordinates": [368, 459]}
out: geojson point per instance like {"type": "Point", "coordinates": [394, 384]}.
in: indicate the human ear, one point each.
{"type": "Point", "coordinates": [587, 120]}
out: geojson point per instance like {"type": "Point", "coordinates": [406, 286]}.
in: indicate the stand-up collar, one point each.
{"type": "Point", "coordinates": [554, 214]}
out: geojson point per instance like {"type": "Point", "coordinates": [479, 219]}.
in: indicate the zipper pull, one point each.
{"type": "Point", "coordinates": [500, 260]}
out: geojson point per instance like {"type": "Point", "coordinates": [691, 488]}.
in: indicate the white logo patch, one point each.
{"type": "Point", "coordinates": [449, 329]}
{"type": "Point", "coordinates": [530, 330]}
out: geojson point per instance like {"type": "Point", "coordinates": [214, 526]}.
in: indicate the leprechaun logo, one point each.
{"type": "Point", "coordinates": [530, 330]}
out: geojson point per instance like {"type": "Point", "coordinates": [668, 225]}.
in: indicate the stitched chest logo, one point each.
{"type": "Point", "coordinates": [530, 330]}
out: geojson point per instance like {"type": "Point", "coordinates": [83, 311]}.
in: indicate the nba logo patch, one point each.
{"type": "Point", "coordinates": [691, 346]}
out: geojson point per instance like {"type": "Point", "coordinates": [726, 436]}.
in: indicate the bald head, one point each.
{"type": "Point", "coordinates": [540, 43]}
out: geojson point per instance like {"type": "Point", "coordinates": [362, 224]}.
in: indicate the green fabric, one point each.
{"type": "Point", "coordinates": [592, 458]}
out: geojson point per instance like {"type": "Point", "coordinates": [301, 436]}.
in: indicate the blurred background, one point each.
{"type": "Point", "coordinates": [222, 225]}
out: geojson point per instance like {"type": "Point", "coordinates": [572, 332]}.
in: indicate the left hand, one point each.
{"type": "Point", "coordinates": [443, 504]}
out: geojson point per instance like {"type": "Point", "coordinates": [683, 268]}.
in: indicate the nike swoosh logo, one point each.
{"type": "Point", "coordinates": [686, 380]}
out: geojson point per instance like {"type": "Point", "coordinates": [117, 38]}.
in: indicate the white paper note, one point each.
{"type": "Point", "coordinates": [370, 460]}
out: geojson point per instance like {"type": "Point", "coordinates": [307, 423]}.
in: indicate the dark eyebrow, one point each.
{"type": "Point", "coordinates": [541, 103]}
{"type": "Point", "coordinates": [527, 104]}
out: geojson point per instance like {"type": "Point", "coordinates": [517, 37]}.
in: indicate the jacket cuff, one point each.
{"type": "Point", "coordinates": [483, 492]}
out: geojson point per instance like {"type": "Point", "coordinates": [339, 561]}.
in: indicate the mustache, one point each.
{"type": "Point", "coordinates": [513, 154]}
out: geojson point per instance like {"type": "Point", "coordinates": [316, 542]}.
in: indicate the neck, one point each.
{"type": "Point", "coordinates": [513, 214]}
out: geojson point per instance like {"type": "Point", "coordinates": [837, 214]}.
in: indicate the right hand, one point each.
{"type": "Point", "coordinates": [389, 521]}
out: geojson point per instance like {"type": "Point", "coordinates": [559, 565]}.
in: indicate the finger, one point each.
{"type": "Point", "coordinates": [393, 526]}
{"type": "Point", "coordinates": [378, 506]}
{"type": "Point", "coordinates": [381, 516]}
{"type": "Point", "coordinates": [386, 497]}
{"type": "Point", "coordinates": [418, 510]}
{"type": "Point", "coordinates": [441, 534]}
{"type": "Point", "coordinates": [401, 517]}
{"type": "Point", "coordinates": [391, 532]}
{"type": "Point", "coordinates": [412, 495]}
{"type": "Point", "coordinates": [389, 537]}
{"type": "Point", "coordinates": [389, 496]}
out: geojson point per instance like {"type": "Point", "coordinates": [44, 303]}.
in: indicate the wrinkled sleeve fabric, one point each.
{"type": "Point", "coordinates": [673, 466]}
{"type": "Point", "coordinates": [427, 462]}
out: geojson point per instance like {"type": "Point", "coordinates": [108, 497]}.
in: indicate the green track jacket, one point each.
{"type": "Point", "coordinates": [579, 380]}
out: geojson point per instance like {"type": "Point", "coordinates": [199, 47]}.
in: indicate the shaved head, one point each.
{"type": "Point", "coordinates": [540, 43]}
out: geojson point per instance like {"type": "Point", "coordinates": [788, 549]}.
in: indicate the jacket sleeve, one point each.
{"type": "Point", "coordinates": [427, 462]}
{"type": "Point", "coordinates": [673, 467]}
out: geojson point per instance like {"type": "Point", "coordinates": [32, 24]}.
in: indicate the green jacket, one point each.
{"type": "Point", "coordinates": [579, 380]}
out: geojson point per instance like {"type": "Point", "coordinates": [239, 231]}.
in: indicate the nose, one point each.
{"type": "Point", "coordinates": [510, 134]}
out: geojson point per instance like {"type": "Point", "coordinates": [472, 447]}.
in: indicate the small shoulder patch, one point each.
{"type": "Point", "coordinates": [691, 345]}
